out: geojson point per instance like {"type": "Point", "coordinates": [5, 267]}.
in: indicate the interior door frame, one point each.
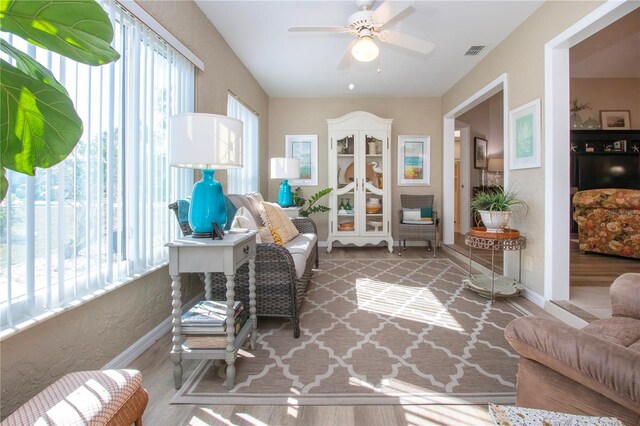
{"type": "Point", "coordinates": [448, 127]}
{"type": "Point", "coordinates": [465, 175]}
{"type": "Point", "coordinates": [556, 136]}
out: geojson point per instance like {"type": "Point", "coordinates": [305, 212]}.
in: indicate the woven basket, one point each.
{"type": "Point", "coordinates": [506, 234]}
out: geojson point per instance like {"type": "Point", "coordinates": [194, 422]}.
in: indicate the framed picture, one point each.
{"type": "Point", "coordinates": [615, 120]}
{"type": "Point", "coordinates": [480, 153]}
{"type": "Point", "coordinates": [524, 136]}
{"type": "Point", "coordinates": [414, 160]}
{"type": "Point", "coordinates": [305, 149]}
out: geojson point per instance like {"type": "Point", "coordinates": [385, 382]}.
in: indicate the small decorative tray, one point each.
{"type": "Point", "coordinates": [506, 234]}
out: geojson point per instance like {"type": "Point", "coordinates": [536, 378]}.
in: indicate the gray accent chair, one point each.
{"type": "Point", "coordinates": [421, 231]}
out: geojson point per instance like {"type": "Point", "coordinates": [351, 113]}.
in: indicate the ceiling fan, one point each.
{"type": "Point", "coordinates": [367, 25]}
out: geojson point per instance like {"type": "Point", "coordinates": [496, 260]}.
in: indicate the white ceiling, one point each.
{"type": "Point", "coordinates": [305, 64]}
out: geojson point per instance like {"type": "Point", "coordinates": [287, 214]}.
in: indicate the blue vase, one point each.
{"type": "Point", "coordinates": [285, 197]}
{"type": "Point", "coordinates": [207, 205]}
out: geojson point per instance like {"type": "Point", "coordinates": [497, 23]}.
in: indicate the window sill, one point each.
{"type": "Point", "coordinates": [52, 313]}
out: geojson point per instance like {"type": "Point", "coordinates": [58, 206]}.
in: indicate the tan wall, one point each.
{"type": "Point", "coordinates": [608, 94]}
{"type": "Point", "coordinates": [91, 335]}
{"type": "Point", "coordinates": [411, 116]}
{"type": "Point", "coordinates": [521, 56]}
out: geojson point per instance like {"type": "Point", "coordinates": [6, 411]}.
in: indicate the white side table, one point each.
{"type": "Point", "coordinates": [189, 254]}
{"type": "Point", "coordinates": [292, 212]}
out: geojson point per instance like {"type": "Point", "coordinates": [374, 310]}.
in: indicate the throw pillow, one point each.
{"type": "Point", "coordinates": [244, 219]}
{"type": "Point", "coordinates": [278, 221]}
{"type": "Point", "coordinates": [265, 236]}
{"type": "Point", "coordinates": [417, 216]}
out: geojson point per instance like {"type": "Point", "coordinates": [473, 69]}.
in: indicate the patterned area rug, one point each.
{"type": "Point", "coordinates": [375, 332]}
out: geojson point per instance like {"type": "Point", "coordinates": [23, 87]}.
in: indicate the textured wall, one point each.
{"type": "Point", "coordinates": [411, 116]}
{"type": "Point", "coordinates": [521, 56]}
{"type": "Point", "coordinates": [91, 335]}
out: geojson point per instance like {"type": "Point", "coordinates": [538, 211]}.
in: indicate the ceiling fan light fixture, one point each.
{"type": "Point", "coordinates": [365, 49]}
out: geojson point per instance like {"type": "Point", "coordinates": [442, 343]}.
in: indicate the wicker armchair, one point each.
{"type": "Point", "coordinates": [421, 231]}
{"type": "Point", "coordinates": [279, 292]}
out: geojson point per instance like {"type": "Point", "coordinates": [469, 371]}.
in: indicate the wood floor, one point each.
{"type": "Point", "coordinates": [598, 270]}
{"type": "Point", "coordinates": [586, 269]}
{"type": "Point", "coordinates": [156, 369]}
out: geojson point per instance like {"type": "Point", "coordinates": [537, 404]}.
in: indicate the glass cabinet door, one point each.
{"type": "Point", "coordinates": [346, 183]}
{"type": "Point", "coordinates": [373, 158]}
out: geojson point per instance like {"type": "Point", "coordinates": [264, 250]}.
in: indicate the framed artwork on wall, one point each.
{"type": "Point", "coordinates": [414, 160]}
{"type": "Point", "coordinates": [305, 149]}
{"type": "Point", "coordinates": [615, 120]}
{"type": "Point", "coordinates": [524, 136]}
{"type": "Point", "coordinates": [480, 153]}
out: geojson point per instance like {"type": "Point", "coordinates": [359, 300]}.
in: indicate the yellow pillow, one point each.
{"type": "Point", "coordinates": [274, 217]}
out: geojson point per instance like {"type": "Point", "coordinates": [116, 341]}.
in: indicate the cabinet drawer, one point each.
{"type": "Point", "coordinates": [243, 251]}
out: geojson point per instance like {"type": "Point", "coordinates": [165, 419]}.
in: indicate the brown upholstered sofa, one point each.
{"type": "Point", "coordinates": [608, 221]}
{"type": "Point", "coordinates": [593, 371]}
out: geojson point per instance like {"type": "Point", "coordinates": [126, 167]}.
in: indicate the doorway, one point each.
{"type": "Point", "coordinates": [556, 117]}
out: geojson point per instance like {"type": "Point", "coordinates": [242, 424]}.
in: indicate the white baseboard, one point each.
{"type": "Point", "coordinates": [534, 297]}
{"type": "Point", "coordinates": [564, 315]}
{"type": "Point", "coordinates": [145, 342]}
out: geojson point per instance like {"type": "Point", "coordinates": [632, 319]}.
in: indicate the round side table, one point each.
{"type": "Point", "coordinates": [501, 287]}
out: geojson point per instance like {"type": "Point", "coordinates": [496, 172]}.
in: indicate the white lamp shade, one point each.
{"type": "Point", "coordinates": [205, 141]}
{"type": "Point", "coordinates": [365, 49]}
{"type": "Point", "coordinates": [285, 168]}
{"type": "Point", "coordinates": [495, 164]}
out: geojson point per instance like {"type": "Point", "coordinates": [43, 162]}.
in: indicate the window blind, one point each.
{"type": "Point", "coordinates": [245, 180]}
{"type": "Point", "coordinates": [99, 217]}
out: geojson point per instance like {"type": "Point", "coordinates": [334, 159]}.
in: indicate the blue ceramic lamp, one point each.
{"type": "Point", "coordinates": [285, 168]}
{"type": "Point", "coordinates": [208, 142]}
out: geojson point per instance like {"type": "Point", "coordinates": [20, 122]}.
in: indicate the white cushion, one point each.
{"type": "Point", "coordinates": [300, 248]}
{"type": "Point", "coordinates": [244, 219]}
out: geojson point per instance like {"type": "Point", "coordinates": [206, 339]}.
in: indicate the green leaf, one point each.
{"type": "Point", "coordinates": [31, 67]}
{"type": "Point", "coordinates": [78, 29]}
{"type": "Point", "coordinates": [38, 124]}
{"type": "Point", "coordinates": [4, 183]}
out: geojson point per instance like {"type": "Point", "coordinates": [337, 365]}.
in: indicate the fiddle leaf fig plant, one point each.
{"type": "Point", "coordinates": [39, 126]}
{"type": "Point", "coordinates": [311, 208]}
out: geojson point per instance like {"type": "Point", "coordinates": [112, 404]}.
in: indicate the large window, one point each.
{"type": "Point", "coordinates": [245, 180]}
{"type": "Point", "coordinates": [99, 217]}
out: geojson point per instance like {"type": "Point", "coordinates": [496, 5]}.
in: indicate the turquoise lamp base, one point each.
{"type": "Point", "coordinates": [207, 206]}
{"type": "Point", "coordinates": [285, 197]}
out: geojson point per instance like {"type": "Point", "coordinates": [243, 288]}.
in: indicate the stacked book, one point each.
{"type": "Point", "coordinates": [209, 318]}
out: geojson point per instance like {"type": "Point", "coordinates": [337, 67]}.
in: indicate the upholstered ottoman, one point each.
{"type": "Point", "coordinates": [105, 397]}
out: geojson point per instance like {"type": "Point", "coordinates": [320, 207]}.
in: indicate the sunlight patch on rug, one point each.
{"type": "Point", "coordinates": [383, 332]}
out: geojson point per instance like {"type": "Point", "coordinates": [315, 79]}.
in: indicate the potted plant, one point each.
{"type": "Point", "coordinates": [496, 207]}
{"type": "Point", "coordinates": [311, 208]}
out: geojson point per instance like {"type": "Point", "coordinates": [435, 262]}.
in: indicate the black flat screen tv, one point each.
{"type": "Point", "coordinates": [608, 170]}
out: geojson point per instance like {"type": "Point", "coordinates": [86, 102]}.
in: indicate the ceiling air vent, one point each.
{"type": "Point", "coordinates": [474, 50]}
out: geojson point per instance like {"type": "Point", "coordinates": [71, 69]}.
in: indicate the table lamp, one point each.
{"type": "Point", "coordinates": [285, 168]}
{"type": "Point", "coordinates": [496, 165]}
{"type": "Point", "coordinates": [206, 142]}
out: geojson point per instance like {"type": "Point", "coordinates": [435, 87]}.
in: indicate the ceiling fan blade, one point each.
{"type": "Point", "coordinates": [318, 29]}
{"type": "Point", "coordinates": [389, 10]}
{"type": "Point", "coordinates": [345, 63]}
{"type": "Point", "coordinates": [407, 41]}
